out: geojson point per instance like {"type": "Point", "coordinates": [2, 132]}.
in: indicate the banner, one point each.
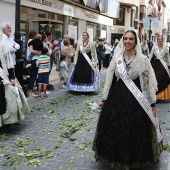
{"type": "Point", "coordinates": [145, 23]}
{"type": "Point", "coordinates": [155, 22]}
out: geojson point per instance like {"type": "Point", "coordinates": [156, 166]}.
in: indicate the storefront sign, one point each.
{"type": "Point", "coordinates": [50, 5]}
{"type": "Point", "coordinates": [67, 9]}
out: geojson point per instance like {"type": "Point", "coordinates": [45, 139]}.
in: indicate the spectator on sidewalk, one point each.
{"type": "Point", "coordinates": [31, 36]}
{"type": "Point", "coordinates": [68, 51]}
{"type": "Point", "coordinates": [44, 41]}
{"type": "Point", "coordinates": [36, 44]}
{"type": "Point", "coordinates": [34, 70]}
{"type": "Point", "coordinates": [43, 71]}
{"type": "Point", "coordinates": [63, 73]}
{"type": "Point", "coordinates": [11, 44]}
{"type": "Point", "coordinates": [108, 51]}
{"type": "Point", "coordinates": [49, 38]}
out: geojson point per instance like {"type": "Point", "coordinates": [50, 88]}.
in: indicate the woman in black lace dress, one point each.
{"type": "Point", "coordinates": [85, 76]}
{"type": "Point", "coordinates": [160, 60]}
{"type": "Point", "coordinates": [125, 136]}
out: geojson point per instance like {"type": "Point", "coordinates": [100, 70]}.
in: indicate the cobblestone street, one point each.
{"type": "Point", "coordinates": [58, 134]}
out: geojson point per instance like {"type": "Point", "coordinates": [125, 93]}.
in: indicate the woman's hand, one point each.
{"type": "Point", "coordinates": [12, 82]}
{"type": "Point", "coordinates": [100, 104]}
{"type": "Point", "coordinates": [154, 111]}
{"type": "Point", "coordinates": [94, 65]}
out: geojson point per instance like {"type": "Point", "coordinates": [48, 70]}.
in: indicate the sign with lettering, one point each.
{"type": "Point", "coordinates": [50, 5]}
{"type": "Point", "coordinates": [62, 8]}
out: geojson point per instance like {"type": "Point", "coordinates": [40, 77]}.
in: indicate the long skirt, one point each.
{"type": "Point", "coordinates": [15, 105]}
{"type": "Point", "coordinates": [125, 137]}
{"type": "Point", "coordinates": [83, 78]}
{"type": "Point", "coordinates": [163, 80]}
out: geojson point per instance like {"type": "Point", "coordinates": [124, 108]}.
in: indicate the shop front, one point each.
{"type": "Point", "coordinates": [62, 18]}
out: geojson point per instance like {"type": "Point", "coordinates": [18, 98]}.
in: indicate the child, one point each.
{"type": "Point", "coordinates": [63, 70]}
{"type": "Point", "coordinates": [37, 45]}
{"type": "Point", "coordinates": [43, 71]}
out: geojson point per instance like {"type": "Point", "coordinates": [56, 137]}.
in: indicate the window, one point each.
{"type": "Point", "coordinates": [121, 19]}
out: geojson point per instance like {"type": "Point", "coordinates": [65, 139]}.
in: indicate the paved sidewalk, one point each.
{"type": "Point", "coordinates": [59, 131]}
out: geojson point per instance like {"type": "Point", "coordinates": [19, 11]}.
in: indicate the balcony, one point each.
{"type": "Point", "coordinates": [130, 3]}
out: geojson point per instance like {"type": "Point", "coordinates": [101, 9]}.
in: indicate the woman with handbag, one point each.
{"type": "Point", "coordinates": [13, 104]}
{"type": "Point", "coordinates": [128, 134]}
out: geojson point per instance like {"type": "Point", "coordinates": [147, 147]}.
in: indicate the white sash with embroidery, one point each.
{"type": "Point", "coordinates": [138, 95]}
{"type": "Point", "coordinates": [157, 54]}
{"type": "Point", "coordinates": [96, 70]}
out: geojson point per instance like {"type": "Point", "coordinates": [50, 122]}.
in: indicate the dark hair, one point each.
{"type": "Point", "coordinates": [43, 37]}
{"type": "Point", "coordinates": [133, 32]}
{"type": "Point", "coordinates": [71, 41]}
{"type": "Point", "coordinates": [47, 33]}
{"type": "Point", "coordinates": [32, 34]}
{"type": "Point", "coordinates": [44, 50]}
{"type": "Point", "coordinates": [87, 34]}
{"type": "Point", "coordinates": [62, 57]}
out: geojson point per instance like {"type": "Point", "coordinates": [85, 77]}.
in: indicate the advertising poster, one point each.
{"type": "Point", "coordinates": [72, 31]}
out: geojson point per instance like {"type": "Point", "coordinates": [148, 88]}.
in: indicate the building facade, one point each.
{"type": "Point", "coordinates": [60, 17]}
{"type": "Point", "coordinates": [128, 18]}
{"type": "Point", "coordinates": [156, 13]}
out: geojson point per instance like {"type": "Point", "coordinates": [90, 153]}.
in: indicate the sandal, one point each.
{"type": "Point", "coordinates": [45, 96]}
{"type": "Point", "coordinates": [38, 97]}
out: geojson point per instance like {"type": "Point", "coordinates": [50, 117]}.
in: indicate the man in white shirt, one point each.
{"type": "Point", "coordinates": [12, 45]}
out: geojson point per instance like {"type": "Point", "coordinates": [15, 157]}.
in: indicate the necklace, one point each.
{"type": "Point", "coordinates": [129, 57]}
{"type": "Point", "coordinates": [84, 45]}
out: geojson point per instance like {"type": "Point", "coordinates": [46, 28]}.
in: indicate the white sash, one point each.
{"type": "Point", "coordinates": [138, 95]}
{"type": "Point", "coordinates": [96, 70]}
{"type": "Point", "coordinates": [157, 54]}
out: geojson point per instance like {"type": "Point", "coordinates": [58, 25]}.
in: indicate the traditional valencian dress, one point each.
{"type": "Point", "coordinates": [125, 136]}
{"type": "Point", "coordinates": [13, 104]}
{"type": "Point", "coordinates": [160, 61]}
{"type": "Point", "coordinates": [85, 75]}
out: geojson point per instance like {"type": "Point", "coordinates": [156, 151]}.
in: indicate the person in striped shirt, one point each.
{"type": "Point", "coordinates": [43, 62]}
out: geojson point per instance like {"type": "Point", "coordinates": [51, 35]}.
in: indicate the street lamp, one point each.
{"type": "Point", "coordinates": [150, 31]}
{"type": "Point", "coordinates": [17, 34]}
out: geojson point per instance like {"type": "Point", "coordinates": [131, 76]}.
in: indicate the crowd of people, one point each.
{"type": "Point", "coordinates": [128, 134]}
